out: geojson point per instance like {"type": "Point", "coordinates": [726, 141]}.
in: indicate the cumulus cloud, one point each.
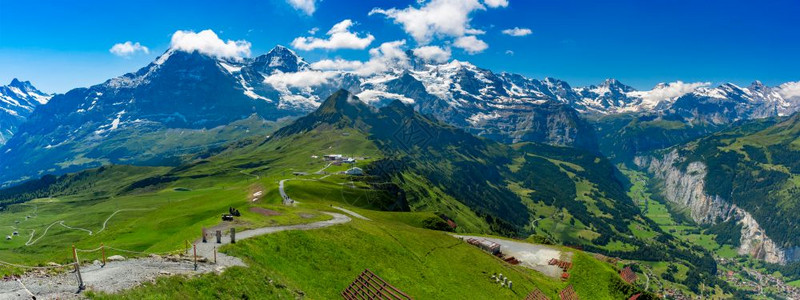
{"type": "Point", "coordinates": [516, 31]}
{"type": "Point", "coordinates": [389, 55]}
{"type": "Point", "coordinates": [306, 6]}
{"type": "Point", "coordinates": [789, 89]}
{"type": "Point", "coordinates": [440, 19]}
{"type": "Point", "coordinates": [432, 53]}
{"type": "Point", "coordinates": [301, 79]}
{"type": "Point", "coordinates": [337, 64]}
{"type": "Point", "coordinates": [510, 52]}
{"type": "Point", "coordinates": [128, 48]}
{"type": "Point", "coordinates": [339, 37]}
{"type": "Point", "coordinates": [670, 91]}
{"type": "Point", "coordinates": [471, 44]}
{"type": "Point", "coordinates": [496, 3]}
{"type": "Point", "coordinates": [207, 42]}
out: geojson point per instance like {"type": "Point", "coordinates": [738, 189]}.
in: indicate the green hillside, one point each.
{"type": "Point", "coordinates": [418, 171]}
{"type": "Point", "coordinates": [757, 168]}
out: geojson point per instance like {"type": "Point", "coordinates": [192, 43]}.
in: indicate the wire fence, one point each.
{"type": "Point", "coordinates": [100, 248]}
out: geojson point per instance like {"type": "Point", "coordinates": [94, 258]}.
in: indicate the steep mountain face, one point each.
{"type": "Point", "coordinates": [279, 59]}
{"type": "Point", "coordinates": [729, 102]}
{"type": "Point", "coordinates": [484, 103]}
{"type": "Point", "coordinates": [746, 176]}
{"type": "Point", "coordinates": [624, 136]}
{"type": "Point", "coordinates": [120, 120]}
{"type": "Point", "coordinates": [17, 101]}
{"type": "Point", "coordinates": [610, 96]}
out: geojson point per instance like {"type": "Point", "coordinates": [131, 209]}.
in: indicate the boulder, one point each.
{"type": "Point", "coordinates": [116, 258]}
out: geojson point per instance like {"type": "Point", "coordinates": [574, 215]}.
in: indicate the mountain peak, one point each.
{"type": "Point", "coordinates": [280, 59]}
{"type": "Point", "coordinates": [339, 100]}
{"type": "Point", "coordinates": [757, 85]}
{"type": "Point", "coordinates": [22, 85]}
{"type": "Point", "coordinates": [280, 49]}
{"type": "Point", "coordinates": [616, 86]}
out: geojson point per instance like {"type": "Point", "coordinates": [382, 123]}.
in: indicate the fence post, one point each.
{"type": "Point", "coordinates": [204, 234]}
{"type": "Point", "coordinates": [77, 268]}
{"type": "Point", "coordinates": [103, 248]}
{"type": "Point", "coordinates": [195, 256]}
{"type": "Point", "coordinates": [233, 235]}
{"type": "Point", "coordinates": [219, 236]}
{"type": "Point", "coordinates": [215, 255]}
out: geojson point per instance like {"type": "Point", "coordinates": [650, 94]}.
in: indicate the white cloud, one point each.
{"type": "Point", "coordinates": [789, 89]}
{"type": "Point", "coordinates": [509, 52]}
{"type": "Point", "coordinates": [301, 79]}
{"type": "Point", "coordinates": [516, 31]}
{"type": "Point", "coordinates": [306, 6]}
{"type": "Point", "coordinates": [313, 31]}
{"type": "Point", "coordinates": [436, 18]}
{"type": "Point", "coordinates": [127, 49]}
{"type": "Point", "coordinates": [339, 37]}
{"type": "Point", "coordinates": [207, 42]}
{"type": "Point", "coordinates": [337, 64]}
{"type": "Point", "coordinates": [432, 53]}
{"type": "Point", "coordinates": [496, 3]}
{"type": "Point", "coordinates": [669, 91]}
{"type": "Point", "coordinates": [389, 55]}
{"type": "Point", "coordinates": [471, 44]}
{"type": "Point", "coordinates": [473, 31]}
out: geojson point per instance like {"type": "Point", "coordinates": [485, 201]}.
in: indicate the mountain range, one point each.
{"type": "Point", "coordinates": [194, 92]}
{"type": "Point", "coordinates": [18, 100]}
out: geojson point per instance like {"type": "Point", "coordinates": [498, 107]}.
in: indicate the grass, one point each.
{"type": "Point", "coordinates": [795, 283]}
{"type": "Point", "coordinates": [423, 263]}
{"type": "Point", "coordinates": [315, 264]}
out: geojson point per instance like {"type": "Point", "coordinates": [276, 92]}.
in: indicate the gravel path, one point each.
{"type": "Point", "coordinates": [352, 213]}
{"type": "Point", "coordinates": [207, 249]}
{"type": "Point", "coordinates": [120, 275]}
{"type": "Point", "coordinates": [286, 199]}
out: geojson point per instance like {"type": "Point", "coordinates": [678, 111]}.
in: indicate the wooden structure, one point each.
{"type": "Point", "coordinates": [369, 286]}
{"type": "Point", "coordinates": [511, 260]}
{"type": "Point", "coordinates": [536, 294]}
{"type": "Point", "coordinates": [564, 265]}
{"type": "Point", "coordinates": [568, 294]}
{"type": "Point", "coordinates": [488, 246]}
{"type": "Point", "coordinates": [628, 275]}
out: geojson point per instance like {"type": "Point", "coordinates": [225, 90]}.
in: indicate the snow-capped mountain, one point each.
{"type": "Point", "coordinates": [193, 92]}
{"type": "Point", "coordinates": [729, 102]}
{"type": "Point", "coordinates": [483, 103]}
{"type": "Point", "coordinates": [17, 101]}
{"type": "Point", "coordinates": [126, 119]}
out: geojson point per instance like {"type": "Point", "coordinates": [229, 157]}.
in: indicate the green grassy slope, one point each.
{"type": "Point", "coordinates": [758, 169]}
{"type": "Point", "coordinates": [484, 186]}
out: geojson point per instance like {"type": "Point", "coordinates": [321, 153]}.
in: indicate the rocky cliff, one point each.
{"type": "Point", "coordinates": [687, 188]}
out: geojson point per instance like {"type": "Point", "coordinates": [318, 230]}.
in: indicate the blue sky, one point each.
{"type": "Point", "coordinates": [59, 45]}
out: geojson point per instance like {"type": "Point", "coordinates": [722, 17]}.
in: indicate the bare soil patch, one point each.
{"type": "Point", "coordinates": [264, 211]}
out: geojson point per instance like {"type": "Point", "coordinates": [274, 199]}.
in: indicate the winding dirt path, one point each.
{"type": "Point", "coordinates": [116, 276]}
